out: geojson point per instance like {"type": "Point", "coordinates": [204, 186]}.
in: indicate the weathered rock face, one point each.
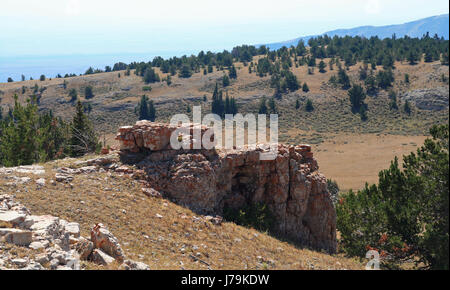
{"type": "Point", "coordinates": [435, 99]}
{"type": "Point", "coordinates": [207, 181]}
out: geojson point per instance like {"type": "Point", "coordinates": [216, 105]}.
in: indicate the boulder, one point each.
{"type": "Point", "coordinates": [60, 177]}
{"type": "Point", "coordinates": [101, 258]}
{"type": "Point", "coordinates": [104, 240]}
{"type": "Point", "coordinates": [73, 229]}
{"type": "Point", "coordinates": [12, 217]}
{"type": "Point", "coordinates": [84, 249]}
{"type": "Point", "coordinates": [17, 237]}
{"type": "Point", "coordinates": [134, 265]}
{"type": "Point", "coordinates": [207, 181]}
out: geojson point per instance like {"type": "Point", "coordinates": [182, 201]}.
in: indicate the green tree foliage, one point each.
{"type": "Point", "coordinates": [333, 188]}
{"type": "Point", "coordinates": [272, 106]}
{"type": "Point", "coordinates": [406, 216]}
{"type": "Point", "coordinates": [291, 81]}
{"type": "Point", "coordinates": [233, 73]}
{"type": "Point", "coordinates": [413, 57]}
{"type": "Point", "coordinates": [88, 92]}
{"type": "Point", "coordinates": [185, 71]}
{"type": "Point", "coordinates": [407, 107]}
{"type": "Point", "coordinates": [305, 87]}
{"type": "Point", "coordinates": [309, 105]}
{"type": "Point", "coordinates": [444, 58]}
{"type": "Point", "coordinates": [257, 215]}
{"type": "Point", "coordinates": [406, 79]}
{"type": "Point", "coordinates": [150, 76]}
{"type": "Point", "coordinates": [357, 96]}
{"type": "Point", "coordinates": [263, 106]}
{"type": "Point", "coordinates": [230, 106]}
{"type": "Point", "coordinates": [10, 80]}
{"type": "Point", "coordinates": [225, 81]}
{"type": "Point", "coordinates": [73, 95]}
{"type": "Point", "coordinates": [146, 109]}
{"type": "Point", "coordinates": [322, 66]}
{"type": "Point", "coordinates": [42, 78]}
{"type": "Point", "coordinates": [221, 107]}
{"type": "Point", "coordinates": [385, 78]}
{"type": "Point", "coordinates": [27, 137]}
{"type": "Point", "coordinates": [393, 103]}
{"type": "Point", "coordinates": [82, 137]}
{"type": "Point", "coordinates": [343, 79]}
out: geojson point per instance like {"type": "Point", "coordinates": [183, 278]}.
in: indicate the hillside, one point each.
{"type": "Point", "coordinates": [391, 133]}
{"type": "Point", "coordinates": [434, 25]}
{"type": "Point", "coordinates": [151, 230]}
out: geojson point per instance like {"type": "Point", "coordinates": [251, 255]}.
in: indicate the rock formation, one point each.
{"type": "Point", "coordinates": [207, 181]}
{"type": "Point", "coordinates": [58, 243]}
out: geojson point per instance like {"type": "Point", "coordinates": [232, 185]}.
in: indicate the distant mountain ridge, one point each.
{"type": "Point", "coordinates": [434, 25]}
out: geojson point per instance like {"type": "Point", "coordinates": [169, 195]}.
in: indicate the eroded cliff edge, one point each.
{"type": "Point", "coordinates": [207, 181]}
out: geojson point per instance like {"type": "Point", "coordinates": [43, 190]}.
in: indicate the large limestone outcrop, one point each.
{"type": "Point", "coordinates": [209, 180]}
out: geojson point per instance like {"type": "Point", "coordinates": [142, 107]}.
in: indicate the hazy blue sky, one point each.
{"type": "Point", "coordinates": [53, 27]}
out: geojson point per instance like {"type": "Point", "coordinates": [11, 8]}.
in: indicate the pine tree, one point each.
{"type": "Point", "coordinates": [305, 87]}
{"type": "Point", "coordinates": [73, 95]}
{"type": "Point", "coordinates": [88, 92]}
{"type": "Point", "coordinates": [322, 66]}
{"type": "Point", "coordinates": [225, 81]}
{"type": "Point", "coordinates": [151, 111]}
{"type": "Point", "coordinates": [262, 106]}
{"type": "Point", "coordinates": [233, 73]}
{"type": "Point", "coordinates": [357, 97]}
{"type": "Point", "coordinates": [217, 105]}
{"type": "Point", "coordinates": [343, 79]}
{"type": "Point", "coordinates": [408, 209]}
{"type": "Point", "coordinates": [272, 106]}
{"type": "Point", "coordinates": [407, 107]}
{"type": "Point", "coordinates": [185, 71]}
{"type": "Point", "coordinates": [309, 106]}
{"type": "Point", "coordinates": [143, 109]}
{"type": "Point", "coordinates": [83, 139]}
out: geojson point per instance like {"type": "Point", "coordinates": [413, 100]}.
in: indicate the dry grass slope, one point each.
{"type": "Point", "coordinates": [177, 240]}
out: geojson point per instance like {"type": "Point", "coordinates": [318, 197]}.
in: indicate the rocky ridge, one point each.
{"type": "Point", "coordinates": [208, 181]}
{"type": "Point", "coordinates": [53, 243]}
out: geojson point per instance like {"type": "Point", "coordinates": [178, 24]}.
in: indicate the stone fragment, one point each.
{"type": "Point", "coordinates": [101, 258]}
{"type": "Point", "coordinates": [134, 265]}
{"type": "Point", "coordinates": [73, 229]}
{"type": "Point", "coordinates": [17, 237]}
{"type": "Point", "coordinates": [12, 217]}
{"type": "Point", "coordinates": [104, 240]}
{"type": "Point", "coordinates": [84, 249]}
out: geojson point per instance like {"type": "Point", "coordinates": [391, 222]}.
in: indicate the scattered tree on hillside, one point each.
{"type": "Point", "coordinates": [150, 76]}
{"type": "Point", "coordinates": [73, 95]}
{"type": "Point", "coordinates": [233, 73]}
{"type": "Point", "coordinates": [309, 105]}
{"type": "Point", "coordinates": [305, 87]}
{"type": "Point", "coordinates": [322, 66]}
{"type": "Point", "coordinates": [83, 139]}
{"type": "Point", "coordinates": [225, 81]}
{"type": "Point", "coordinates": [357, 97]}
{"type": "Point", "coordinates": [88, 92]}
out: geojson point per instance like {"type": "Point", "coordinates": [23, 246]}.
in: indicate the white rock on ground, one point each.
{"type": "Point", "coordinates": [59, 241]}
{"type": "Point", "coordinates": [12, 217]}
{"type": "Point", "coordinates": [99, 257]}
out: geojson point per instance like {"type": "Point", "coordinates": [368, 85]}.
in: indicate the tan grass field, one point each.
{"type": "Point", "coordinates": [353, 160]}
